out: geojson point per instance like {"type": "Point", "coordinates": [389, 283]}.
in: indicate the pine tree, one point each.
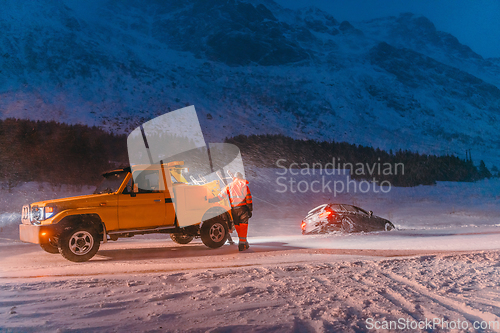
{"type": "Point", "coordinates": [483, 171]}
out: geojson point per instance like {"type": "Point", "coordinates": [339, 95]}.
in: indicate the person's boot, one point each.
{"type": "Point", "coordinates": [242, 246]}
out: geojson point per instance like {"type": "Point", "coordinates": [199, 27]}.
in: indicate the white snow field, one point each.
{"type": "Point", "coordinates": [440, 271]}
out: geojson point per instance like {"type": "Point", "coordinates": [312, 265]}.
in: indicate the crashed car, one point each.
{"type": "Point", "coordinates": [345, 218]}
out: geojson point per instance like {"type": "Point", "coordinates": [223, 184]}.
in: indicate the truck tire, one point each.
{"type": "Point", "coordinates": [181, 238]}
{"type": "Point", "coordinates": [214, 232]}
{"type": "Point", "coordinates": [79, 244]}
{"type": "Point", "coordinates": [50, 246]}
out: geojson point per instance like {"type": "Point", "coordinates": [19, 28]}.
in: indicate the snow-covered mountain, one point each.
{"type": "Point", "coordinates": [249, 68]}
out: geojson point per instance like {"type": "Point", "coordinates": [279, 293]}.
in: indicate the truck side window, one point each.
{"type": "Point", "coordinates": [148, 181]}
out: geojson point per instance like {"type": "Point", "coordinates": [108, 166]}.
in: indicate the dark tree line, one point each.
{"type": "Point", "coordinates": [419, 169]}
{"type": "Point", "coordinates": [77, 154]}
{"type": "Point", "coordinates": [57, 153]}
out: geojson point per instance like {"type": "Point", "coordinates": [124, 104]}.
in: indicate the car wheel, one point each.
{"type": "Point", "coordinates": [79, 244]}
{"type": "Point", "coordinates": [347, 225]}
{"type": "Point", "coordinates": [388, 226]}
{"type": "Point", "coordinates": [181, 238]}
{"type": "Point", "coordinates": [50, 246]}
{"type": "Point", "coordinates": [214, 232]}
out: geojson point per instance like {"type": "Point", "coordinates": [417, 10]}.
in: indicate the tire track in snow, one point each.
{"type": "Point", "coordinates": [390, 294]}
{"type": "Point", "coordinates": [466, 311]}
{"type": "Point", "coordinates": [488, 302]}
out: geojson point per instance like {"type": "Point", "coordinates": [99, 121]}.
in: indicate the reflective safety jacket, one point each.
{"type": "Point", "coordinates": [238, 193]}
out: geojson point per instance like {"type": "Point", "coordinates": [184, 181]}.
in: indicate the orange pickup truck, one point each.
{"type": "Point", "coordinates": [158, 199]}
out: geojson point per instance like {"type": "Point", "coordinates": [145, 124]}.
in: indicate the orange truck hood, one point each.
{"type": "Point", "coordinates": [75, 202]}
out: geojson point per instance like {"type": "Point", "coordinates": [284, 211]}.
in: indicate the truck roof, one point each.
{"type": "Point", "coordinates": [111, 172]}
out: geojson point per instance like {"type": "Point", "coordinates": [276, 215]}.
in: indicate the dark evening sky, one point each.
{"type": "Point", "coordinates": [475, 23]}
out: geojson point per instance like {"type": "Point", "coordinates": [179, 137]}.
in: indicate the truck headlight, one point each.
{"type": "Point", "coordinates": [36, 213]}
{"type": "Point", "coordinates": [42, 213]}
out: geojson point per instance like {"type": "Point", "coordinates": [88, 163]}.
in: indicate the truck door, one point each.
{"type": "Point", "coordinates": [142, 205]}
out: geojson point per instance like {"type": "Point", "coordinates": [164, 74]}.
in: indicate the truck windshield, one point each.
{"type": "Point", "coordinates": [111, 183]}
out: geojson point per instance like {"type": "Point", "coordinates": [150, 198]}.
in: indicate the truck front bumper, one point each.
{"type": "Point", "coordinates": [36, 234]}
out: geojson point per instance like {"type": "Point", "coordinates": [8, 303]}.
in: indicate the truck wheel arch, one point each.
{"type": "Point", "coordinates": [89, 220]}
{"type": "Point", "coordinates": [215, 212]}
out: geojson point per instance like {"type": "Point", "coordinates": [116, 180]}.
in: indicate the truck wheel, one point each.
{"type": "Point", "coordinates": [79, 244]}
{"type": "Point", "coordinates": [181, 238]}
{"type": "Point", "coordinates": [50, 246]}
{"type": "Point", "coordinates": [214, 232]}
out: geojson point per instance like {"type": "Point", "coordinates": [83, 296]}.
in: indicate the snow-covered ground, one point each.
{"type": "Point", "coordinates": [157, 286]}
{"type": "Point", "coordinates": [441, 264]}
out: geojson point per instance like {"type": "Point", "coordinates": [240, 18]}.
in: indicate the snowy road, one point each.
{"type": "Point", "coordinates": [161, 255]}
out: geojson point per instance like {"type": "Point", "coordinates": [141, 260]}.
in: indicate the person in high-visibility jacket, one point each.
{"type": "Point", "coordinates": [240, 199]}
